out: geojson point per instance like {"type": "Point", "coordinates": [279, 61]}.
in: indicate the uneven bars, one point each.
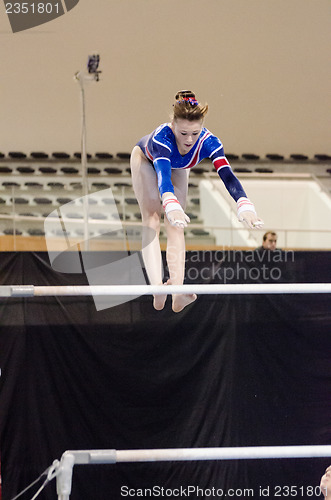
{"type": "Point", "coordinates": [137, 290]}
{"type": "Point", "coordinates": [183, 454]}
{"type": "Point", "coordinates": [83, 457]}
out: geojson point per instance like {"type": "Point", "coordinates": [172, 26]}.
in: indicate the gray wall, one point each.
{"type": "Point", "coordinates": [262, 65]}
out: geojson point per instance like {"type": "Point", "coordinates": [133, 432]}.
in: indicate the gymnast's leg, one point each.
{"type": "Point", "coordinates": [176, 244]}
{"type": "Point", "coordinates": [144, 183]}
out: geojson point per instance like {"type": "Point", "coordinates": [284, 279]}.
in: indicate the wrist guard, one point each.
{"type": "Point", "coordinates": [244, 205]}
{"type": "Point", "coordinates": [171, 203]}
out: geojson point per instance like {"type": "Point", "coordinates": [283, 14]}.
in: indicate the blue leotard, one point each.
{"type": "Point", "coordinates": [161, 149]}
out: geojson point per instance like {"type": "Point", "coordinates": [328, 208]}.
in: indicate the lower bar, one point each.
{"type": "Point", "coordinates": [71, 458]}
{"type": "Point", "coordinates": [185, 454]}
{"type": "Point", "coordinates": [253, 452]}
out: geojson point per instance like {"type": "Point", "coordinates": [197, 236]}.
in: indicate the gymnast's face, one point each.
{"type": "Point", "coordinates": [186, 133]}
{"type": "Point", "coordinates": [326, 483]}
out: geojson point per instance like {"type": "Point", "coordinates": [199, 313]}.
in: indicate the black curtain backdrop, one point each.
{"type": "Point", "coordinates": [227, 371]}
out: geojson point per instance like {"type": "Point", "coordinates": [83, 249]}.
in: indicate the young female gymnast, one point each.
{"type": "Point", "coordinates": [325, 484]}
{"type": "Point", "coordinates": [160, 164]}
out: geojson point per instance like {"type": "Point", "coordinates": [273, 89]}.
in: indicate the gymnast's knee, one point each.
{"type": "Point", "coordinates": [152, 220]}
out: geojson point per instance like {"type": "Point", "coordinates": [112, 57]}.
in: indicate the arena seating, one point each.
{"type": "Point", "coordinates": [30, 182]}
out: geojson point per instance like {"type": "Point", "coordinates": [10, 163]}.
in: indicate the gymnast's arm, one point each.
{"type": "Point", "coordinates": [172, 208]}
{"type": "Point", "coordinates": [245, 208]}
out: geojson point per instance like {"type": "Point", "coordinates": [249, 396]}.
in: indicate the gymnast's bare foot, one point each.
{"type": "Point", "coordinates": [179, 301]}
{"type": "Point", "coordinates": [160, 300]}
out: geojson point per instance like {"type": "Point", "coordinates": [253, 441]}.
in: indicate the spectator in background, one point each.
{"type": "Point", "coordinates": [325, 484]}
{"type": "Point", "coordinates": [269, 241]}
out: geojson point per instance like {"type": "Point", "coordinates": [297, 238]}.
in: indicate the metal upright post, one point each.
{"type": "Point", "coordinates": [82, 77]}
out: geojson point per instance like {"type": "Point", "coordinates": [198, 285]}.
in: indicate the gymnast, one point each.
{"type": "Point", "coordinates": [160, 164]}
{"type": "Point", "coordinates": [325, 484]}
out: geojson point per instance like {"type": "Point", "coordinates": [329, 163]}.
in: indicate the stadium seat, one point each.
{"type": "Point", "coordinates": [264, 170]}
{"type": "Point", "coordinates": [198, 170]}
{"type": "Point", "coordinates": [100, 185]}
{"type": "Point", "coordinates": [81, 232]}
{"type": "Point", "coordinates": [64, 201]}
{"type": "Point", "coordinates": [36, 232]}
{"type": "Point", "coordinates": [25, 170]}
{"type": "Point", "coordinates": [131, 201]}
{"type": "Point", "coordinates": [39, 155]}
{"type": "Point", "coordinates": [299, 157]}
{"type": "Point", "coordinates": [122, 184]}
{"type": "Point", "coordinates": [47, 170]}
{"type": "Point", "coordinates": [59, 232]}
{"type": "Point", "coordinates": [74, 215]}
{"type": "Point", "coordinates": [69, 170]}
{"type": "Point", "coordinates": [323, 157]}
{"type": "Point", "coordinates": [60, 155]}
{"type": "Point", "coordinates": [16, 155]}
{"type": "Point", "coordinates": [5, 170]}
{"type": "Point", "coordinates": [76, 185]}
{"type": "Point", "coordinates": [123, 156]}
{"type": "Point", "coordinates": [79, 155]}
{"type": "Point", "coordinates": [98, 216]}
{"type": "Point", "coordinates": [55, 185]}
{"type": "Point", "coordinates": [243, 170]}
{"type": "Point", "coordinates": [11, 232]}
{"type": "Point", "coordinates": [104, 156]}
{"type": "Point", "coordinates": [110, 201]}
{"type": "Point", "coordinates": [42, 201]}
{"type": "Point", "coordinates": [19, 201]}
{"type": "Point", "coordinates": [122, 216]}
{"type": "Point", "coordinates": [232, 157]}
{"type": "Point", "coordinates": [250, 156]}
{"type": "Point", "coordinates": [93, 170]}
{"type": "Point", "coordinates": [34, 185]}
{"type": "Point", "coordinates": [113, 171]}
{"type": "Point", "coordinates": [274, 157]}
{"type": "Point", "coordinates": [10, 184]}
{"type": "Point", "coordinates": [199, 232]}
{"type": "Point", "coordinates": [90, 201]}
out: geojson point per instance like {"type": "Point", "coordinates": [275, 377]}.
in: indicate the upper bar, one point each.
{"type": "Point", "coordinates": [137, 290]}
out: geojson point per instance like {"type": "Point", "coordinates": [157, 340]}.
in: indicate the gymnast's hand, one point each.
{"type": "Point", "coordinates": [246, 213]}
{"type": "Point", "coordinates": [251, 219]}
{"type": "Point", "coordinates": [178, 218]}
{"type": "Point", "coordinates": [173, 210]}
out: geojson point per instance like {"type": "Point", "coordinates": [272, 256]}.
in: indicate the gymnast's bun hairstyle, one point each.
{"type": "Point", "coordinates": [187, 107]}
